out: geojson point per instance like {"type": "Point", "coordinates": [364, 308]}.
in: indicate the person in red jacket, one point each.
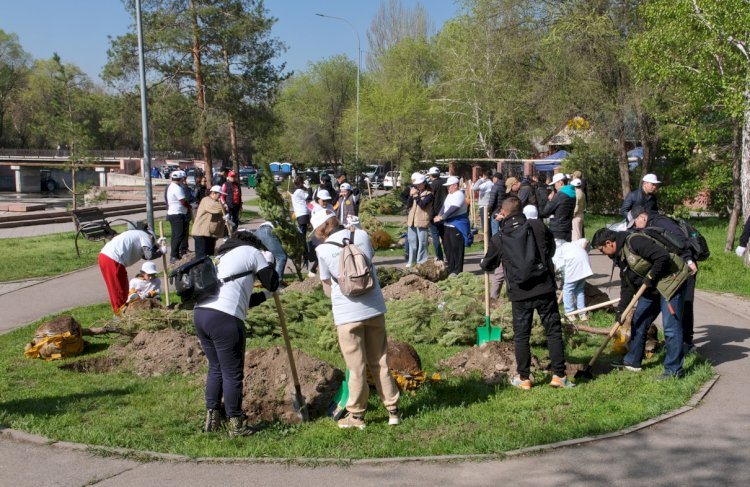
{"type": "Point", "coordinates": [232, 199]}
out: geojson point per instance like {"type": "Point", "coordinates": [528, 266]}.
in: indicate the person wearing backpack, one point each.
{"type": "Point", "coordinates": [645, 221]}
{"type": "Point", "coordinates": [645, 261]}
{"type": "Point", "coordinates": [220, 325]}
{"type": "Point", "coordinates": [358, 313]}
{"type": "Point", "coordinates": [524, 249]}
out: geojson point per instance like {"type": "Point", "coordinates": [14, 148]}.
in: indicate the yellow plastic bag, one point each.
{"type": "Point", "coordinates": [55, 347]}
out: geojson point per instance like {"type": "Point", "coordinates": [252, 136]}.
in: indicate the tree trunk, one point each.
{"type": "Point", "coordinates": [645, 126]}
{"type": "Point", "coordinates": [230, 120]}
{"type": "Point", "coordinates": [745, 173]}
{"type": "Point", "coordinates": [622, 159]}
{"type": "Point", "coordinates": [205, 145]}
{"type": "Point", "coordinates": [734, 215]}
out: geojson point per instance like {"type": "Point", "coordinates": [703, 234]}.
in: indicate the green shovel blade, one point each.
{"type": "Point", "coordinates": [488, 333]}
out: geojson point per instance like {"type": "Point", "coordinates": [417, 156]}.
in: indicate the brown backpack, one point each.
{"type": "Point", "coordinates": [355, 270]}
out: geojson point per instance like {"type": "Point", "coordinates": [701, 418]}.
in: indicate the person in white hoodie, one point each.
{"type": "Point", "coordinates": [571, 259]}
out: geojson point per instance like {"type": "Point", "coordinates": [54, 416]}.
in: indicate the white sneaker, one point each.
{"type": "Point", "coordinates": [408, 265]}
{"type": "Point", "coordinates": [394, 417]}
{"type": "Point", "coordinates": [310, 274]}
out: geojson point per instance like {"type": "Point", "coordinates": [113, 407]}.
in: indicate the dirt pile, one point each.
{"type": "Point", "coordinates": [139, 305]}
{"type": "Point", "coordinates": [268, 385]}
{"type": "Point", "coordinates": [162, 352]}
{"type": "Point", "coordinates": [304, 287]}
{"type": "Point", "coordinates": [495, 360]}
{"type": "Point", "coordinates": [409, 284]}
{"type": "Point", "coordinates": [595, 296]}
{"type": "Point", "coordinates": [402, 357]}
{"type": "Point", "coordinates": [432, 270]}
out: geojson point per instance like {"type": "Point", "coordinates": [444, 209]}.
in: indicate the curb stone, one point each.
{"type": "Point", "coordinates": [145, 456]}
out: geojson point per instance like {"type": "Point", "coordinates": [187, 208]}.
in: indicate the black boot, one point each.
{"type": "Point", "coordinates": [213, 421]}
{"type": "Point", "coordinates": [238, 427]}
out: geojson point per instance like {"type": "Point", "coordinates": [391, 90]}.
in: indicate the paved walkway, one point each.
{"type": "Point", "coordinates": [706, 446]}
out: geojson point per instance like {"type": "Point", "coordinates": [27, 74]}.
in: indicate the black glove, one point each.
{"type": "Point", "coordinates": [648, 282]}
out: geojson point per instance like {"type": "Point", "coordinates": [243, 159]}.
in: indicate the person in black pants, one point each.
{"type": "Point", "coordinates": [528, 289]}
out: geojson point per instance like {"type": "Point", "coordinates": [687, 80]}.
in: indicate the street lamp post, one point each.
{"type": "Point", "coordinates": [359, 62]}
{"type": "Point", "coordinates": [144, 121]}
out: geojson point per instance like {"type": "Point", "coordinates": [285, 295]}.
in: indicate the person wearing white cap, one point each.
{"type": "Point", "coordinates": [121, 252]}
{"type": "Point", "coordinates": [439, 193]}
{"type": "Point", "coordinates": [322, 200]}
{"type": "Point", "coordinates": [578, 211]}
{"type": "Point", "coordinates": [457, 233]}
{"type": "Point", "coordinates": [561, 204]}
{"type": "Point", "coordinates": [359, 321]}
{"type": "Point", "coordinates": [419, 205]}
{"type": "Point", "coordinates": [146, 284]}
{"type": "Point", "coordinates": [347, 205]}
{"type": "Point", "coordinates": [178, 206]}
{"type": "Point", "coordinates": [644, 197]}
{"type": "Point", "coordinates": [209, 222]}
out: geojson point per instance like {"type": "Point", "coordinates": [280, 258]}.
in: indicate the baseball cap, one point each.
{"type": "Point", "coordinates": [178, 174]}
{"type": "Point", "coordinates": [323, 194]}
{"type": "Point", "coordinates": [558, 177]}
{"type": "Point", "coordinates": [346, 186]}
{"type": "Point", "coordinates": [417, 178]}
{"type": "Point", "coordinates": [575, 182]}
{"type": "Point", "coordinates": [510, 182]}
{"type": "Point", "coordinates": [231, 174]}
{"type": "Point", "coordinates": [634, 213]}
{"type": "Point", "coordinates": [217, 189]}
{"type": "Point", "coordinates": [531, 212]}
{"type": "Point", "coordinates": [434, 171]}
{"type": "Point", "coordinates": [651, 178]}
{"type": "Point", "coordinates": [149, 268]}
{"type": "Point", "coordinates": [321, 216]}
{"type": "Point", "coordinates": [451, 181]}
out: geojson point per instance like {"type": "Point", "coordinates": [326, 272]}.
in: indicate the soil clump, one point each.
{"type": "Point", "coordinates": [162, 352]}
{"type": "Point", "coordinates": [269, 388]}
{"type": "Point", "coordinates": [305, 286]}
{"type": "Point", "coordinates": [495, 360]}
{"type": "Point", "coordinates": [410, 284]}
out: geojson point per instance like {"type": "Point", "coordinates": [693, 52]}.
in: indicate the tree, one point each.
{"type": "Point", "coordinates": [703, 48]}
{"type": "Point", "coordinates": [312, 106]}
{"type": "Point", "coordinates": [392, 24]}
{"type": "Point", "coordinates": [14, 65]}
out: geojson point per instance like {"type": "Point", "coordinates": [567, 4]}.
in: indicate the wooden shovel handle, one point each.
{"type": "Point", "coordinates": [164, 265]}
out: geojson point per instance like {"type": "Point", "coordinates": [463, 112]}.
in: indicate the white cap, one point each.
{"type": "Point", "coordinates": [576, 182]}
{"type": "Point", "coordinates": [417, 178]}
{"type": "Point", "coordinates": [451, 180]}
{"type": "Point", "coordinates": [217, 189]}
{"type": "Point", "coordinates": [323, 194]}
{"type": "Point", "coordinates": [434, 171]}
{"type": "Point", "coordinates": [651, 178]}
{"type": "Point", "coordinates": [531, 212]}
{"type": "Point", "coordinates": [558, 177]}
{"type": "Point", "coordinates": [178, 174]}
{"type": "Point", "coordinates": [346, 186]}
{"type": "Point", "coordinates": [149, 268]}
{"type": "Point", "coordinates": [319, 217]}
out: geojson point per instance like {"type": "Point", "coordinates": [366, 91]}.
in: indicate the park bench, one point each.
{"type": "Point", "coordinates": [91, 223]}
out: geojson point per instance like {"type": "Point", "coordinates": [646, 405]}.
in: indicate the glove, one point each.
{"type": "Point", "coordinates": [648, 282]}
{"type": "Point", "coordinates": [163, 250]}
{"type": "Point", "coordinates": [226, 217]}
{"type": "Point", "coordinates": [269, 257]}
{"type": "Point", "coordinates": [162, 242]}
{"type": "Point", "coordinates": [740, 251]}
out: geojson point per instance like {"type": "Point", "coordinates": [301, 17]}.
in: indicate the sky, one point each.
{"type": "Point", "coordinates": [79, 30]}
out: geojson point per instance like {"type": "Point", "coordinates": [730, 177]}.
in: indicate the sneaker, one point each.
{"type": "Point", "coordinates": [524, 384]}
{"type": "Point", "coordinates": [408, 265]}
{"type": "Point", "coordinates": [583, 317]}
{"type": "Point", "coordinates": [394, 417]}
{"type": "Point", "coordinates": [688, 348]}
{"type": "Point", "coordinates": [668, 376]}
{"type": "Point", "coordinates": [561, 382]}
{"type": "Point", "coordinates": [238, 427]}
{"type": "Point", "coordinates": [352, 421]}
{"type": "Point", "coordinates": [619, 364]}
{"type": "Point", "coordinates": [311, 274]}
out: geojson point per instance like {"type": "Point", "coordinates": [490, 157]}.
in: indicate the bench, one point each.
{"type": "Point", "coordinates": [91, 223]}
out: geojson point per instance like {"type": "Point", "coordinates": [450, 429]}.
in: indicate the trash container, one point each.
{"type": "Point", "coordinates": [252, 181]}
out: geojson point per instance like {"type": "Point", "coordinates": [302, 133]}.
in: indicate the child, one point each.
{"type": "Point", "coordinates": [572, 260]}
{"type": "Point", "coordinates": [145, 285]}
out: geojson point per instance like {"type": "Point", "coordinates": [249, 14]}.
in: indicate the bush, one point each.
{"type": "Point", "coordinates": [598, 163]}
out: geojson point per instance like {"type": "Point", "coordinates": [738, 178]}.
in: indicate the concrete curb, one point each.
{"type": "Point", "coordinates": [148, 456]}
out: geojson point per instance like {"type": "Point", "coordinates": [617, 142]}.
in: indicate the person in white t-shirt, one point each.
{"type": "Point", "coordinates": [457, 232]}
{"type": "Point", "coordinates": [121, 252]}
{"type": "Point", "coordinates": [572, 260]}
{"type": "Point", "coordinates": [321, 201]}
{"type": "Point", "coordinates": [220, 326]}
{"type": "Point", "coordinates": [146, 284]}
{"type": "Point", "coordinates": [299, 205]}
{"type": "Point", "coordinates": [178, 205]}
{"type": "Point", "coordinates": [360, 323]}
{"type": "Point", "coordinates": [484, 186]}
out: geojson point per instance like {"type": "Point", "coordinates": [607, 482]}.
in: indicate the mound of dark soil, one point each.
{"type": "Point", "coordinates": [162, 352]}
{"type": "Point", "coordinates": [495, 360]}
{"type": "Point", "coordinates": [412, 283]}
{"type": "Point", "coordinates": [306, 286]}
{"type": "Point", "coordinates": [269, 388]}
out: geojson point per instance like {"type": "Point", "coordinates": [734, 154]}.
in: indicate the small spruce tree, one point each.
{"type": "Point", "coordinates": [275, 208]}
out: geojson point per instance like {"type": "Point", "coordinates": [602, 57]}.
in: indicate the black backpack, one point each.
{"type": "Point", "coordinates": [676, 244]}
{"type": "Point", "coordinates": [198, 278]}
{"type": "Point", "coordinates": [695, 240]}
{"type": "Point", "coordinates": [523, 260]}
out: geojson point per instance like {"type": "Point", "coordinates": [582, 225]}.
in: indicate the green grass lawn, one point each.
{"type": "Point", "coordinates": [452, 416]}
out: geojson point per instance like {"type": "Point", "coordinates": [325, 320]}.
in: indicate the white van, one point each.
{"type": "Point", "coordinates": [392, 179]}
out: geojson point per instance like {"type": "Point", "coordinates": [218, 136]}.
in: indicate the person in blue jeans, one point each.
{"type": "Point", "coordinates": [272, 243]}
{"type": "Point", "coordinates": [644, 261]}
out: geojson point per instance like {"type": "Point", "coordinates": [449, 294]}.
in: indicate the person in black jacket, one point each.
{"type": "Point", "coordinates": [560, 207]}
{"type": "Point", "coordinates": [645, 196]}
{"type": "Point", "coordinates": [497, 195]}
{"type": "Point", "coordinates": [645, 220]}
{"type": "Point", "coordinates": [644, 261]}
{"type": "Point", "coordinates": [740, 250]}
{"type": "Point", "coordinates": [528, 291]}
{"type": "Point", "coordinates": [439, 193]}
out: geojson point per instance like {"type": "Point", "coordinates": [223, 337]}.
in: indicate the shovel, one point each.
{"type": "Point", "coordinates": [164, 264]}
{"type": "Point", "coordinates": [487, 333]}
{"type": "Point", "coordinates": [586, 372]}
{"type": "Point", "coordinates": [298, 402]}
{"type": "Point", "coordinates": [337, 408]}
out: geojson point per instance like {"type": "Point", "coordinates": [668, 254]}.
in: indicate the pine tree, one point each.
{"type": "Point", "coordinates": [275, 209]}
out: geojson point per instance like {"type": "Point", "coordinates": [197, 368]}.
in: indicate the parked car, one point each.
{"type": "Point", "coordinates": [392, 180]}
{"type": "Point", "coordinates": [245, 172]}
{"type": "Point", "coordinates": [191, 173]}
